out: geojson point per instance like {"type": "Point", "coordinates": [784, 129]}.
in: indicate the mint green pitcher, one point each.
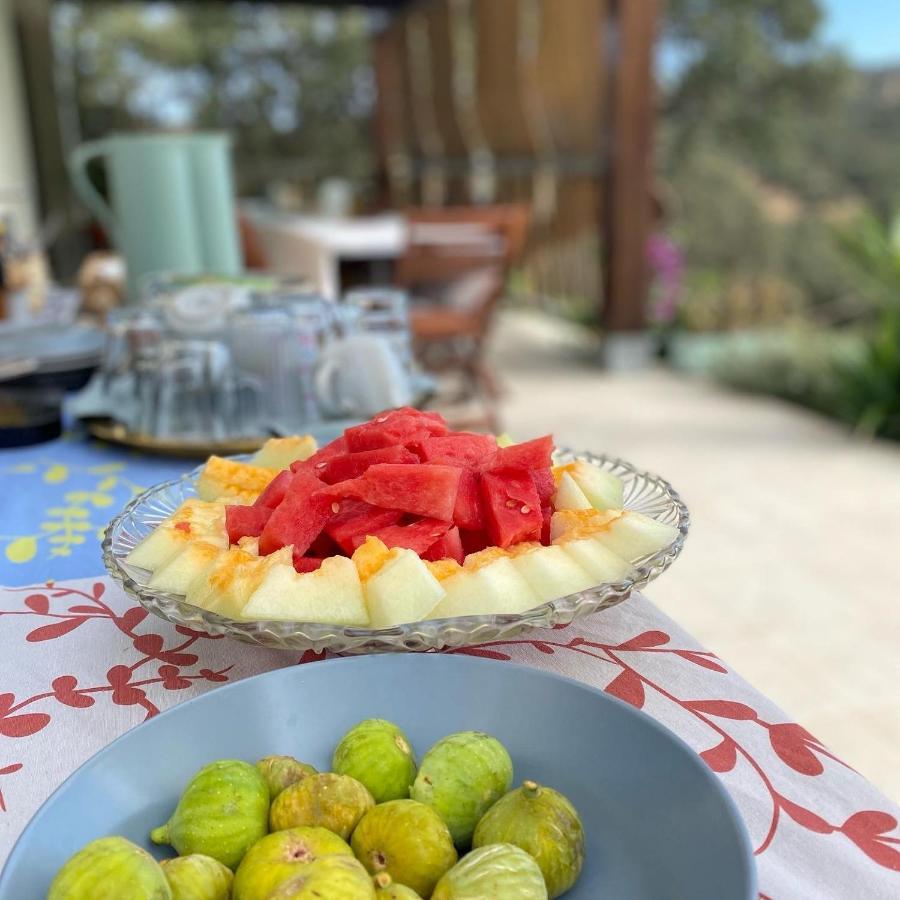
{"type": "Point", "coordinates": [171, 202]}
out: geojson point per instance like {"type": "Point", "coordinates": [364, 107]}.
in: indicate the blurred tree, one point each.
{"type": "Point", "coordinates": [293, 84]}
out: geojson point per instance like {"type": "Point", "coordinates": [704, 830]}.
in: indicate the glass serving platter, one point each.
{"type": "Point", "coordinates": [644, 492]}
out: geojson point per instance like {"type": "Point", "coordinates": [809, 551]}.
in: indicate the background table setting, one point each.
{"type": "Point", "coordinates": [81, 664]}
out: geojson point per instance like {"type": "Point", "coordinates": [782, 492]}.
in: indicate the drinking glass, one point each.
{"type": "Point", "coordinates": [383, 311]}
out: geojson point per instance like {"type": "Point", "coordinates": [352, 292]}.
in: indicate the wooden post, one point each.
{"type": "Point", "coordinates": [626, 206]}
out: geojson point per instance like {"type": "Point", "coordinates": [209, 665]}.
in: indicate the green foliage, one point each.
{"type": "Point", "coordinates": [293, 84]}
{"type": "Point", "coordinates": [871, 382]}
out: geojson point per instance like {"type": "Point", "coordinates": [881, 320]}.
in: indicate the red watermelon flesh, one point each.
{"type": "Point", "coordinates": [546, 486]}
{"type": "Point", "coordinates": [404, 426]}
{"type": "Point", "coordinates": [536, 454]}
{"type": "Point", "coordinates": [512, 507]}
{"type": "Point", "coordinates": [546, 515]}
{"type": "Point", "coordinates": [473, 541]}
{"type": "Point", "coordinates": [425, 490]}
{"type": "Point", "coordinates": [417, 536]}
{"type": "Point", "coordinates": [467, 511]}
{"type": "Point", "coordinates": [299, 518]}
{"type": "Point", "coordinates": [337, 447]}
{"type": "Point", "coordinates": [306, 563]}
{"type": "Point", "coordinates": [460, 448]}
{"type": "Point", "coordinates": [356, 521]}
{"type": "Point", "coordinates": [351, 465]}
{"type": "Point", "coordinates": [245, 521]}
{"type": "Point", "coordinates": [275, 490]}
{"type": "Point", "coordinates": [323, 546]}
{"type": "Point", "coordinates": [447, 547]}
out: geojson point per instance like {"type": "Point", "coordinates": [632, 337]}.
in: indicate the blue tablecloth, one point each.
{"type": "Point", "coordinates": [57, 499]}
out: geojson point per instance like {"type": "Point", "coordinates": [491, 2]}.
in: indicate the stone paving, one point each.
{"type": "Point", "coordinates": [791, 569]}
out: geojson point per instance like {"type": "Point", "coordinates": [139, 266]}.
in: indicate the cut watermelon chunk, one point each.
{"type": "Point", "coordinates": [352, 465]}
{"type": "Point", "coordinates": [418, 536]}
{"type": "Point", "coordinates": [473, 541]}
{"type": "Point", "coordinates": [536, 454]}
{"type": "Point", "coordinates": [459, 448]}
{"type": "Point", "coordinates": [245, 521]}
{"type": "Point", "coordinates": [337, 447]}
{"type": "Point", "coordinates": [275, 490]}
{"type": "Point", "coordinates": [547, 516]}
{"type": "Point", "coordinates": [299, 518]}
{"type": "Point", "coordinates": [512, 507]}
{"type": "Point", "coordinates": [546, 486]}
{"type": "Point", "coordinates": [404, 426]}
{"type": "Point", "coordinates": [356, 520]}
{"type": "Point", "coordinates": [467, 511]}
{"type": "Point", "coordinates": [426, 490]}
{"type": "Point", "coordinates": [447, 547]}
{"type": "Point", "coordinates": [306, 563]}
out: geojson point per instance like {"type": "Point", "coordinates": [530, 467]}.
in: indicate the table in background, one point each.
{"type": "Point", "coordinates": [80, 664]}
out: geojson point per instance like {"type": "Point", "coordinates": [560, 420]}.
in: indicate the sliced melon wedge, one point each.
{"type": "Point", "coordinates": [552, 573]}
{"type": "Point", "coordinates": [195, 560]}
{"type": "Point", "coordinates": [402, 590]}
{"type": "Point", "coordinates": [634, 536]}
{"type": "Point", "coordinates": [598, 561]}
{"type": "Point", "coordinates": [194, 520]}
{"type": "Point", "coordinates": [602, 489]}
{"type": "Point", "coordinates": [279, 453]}
{"type": "Point", "coordinates": [332, 594]}
{"type": "Point", "coordinates": [569, 495]}
{"type": "Point", "coordinates": [494, 588]}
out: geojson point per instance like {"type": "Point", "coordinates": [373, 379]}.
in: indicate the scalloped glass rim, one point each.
{"type": "Point", "coordinates": [644, 492]}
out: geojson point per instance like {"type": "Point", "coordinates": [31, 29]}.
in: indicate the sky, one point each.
{"type": "Point", "coordinates": [868, 31]}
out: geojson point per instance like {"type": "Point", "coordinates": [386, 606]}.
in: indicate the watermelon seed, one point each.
{"type": "Point", "coordinates": [510, 504]}
{"type": "Point", "coordinates": [525, 510]}
{"type": "Point", "coordinates": [335, 507]}
{"type": "Point", "coordinates": [321, 465]}
{"type": "Point", "coordinates": [381, 419]}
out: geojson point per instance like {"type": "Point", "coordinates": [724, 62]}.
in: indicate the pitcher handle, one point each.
{"type": "Point", "coordinates": [325, 386]}
{"type": "Point", "coordinates": [90, 196]}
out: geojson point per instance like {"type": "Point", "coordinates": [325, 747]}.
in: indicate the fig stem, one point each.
{"type": "Point", "coordinates": [160, 835]}
{"type": "Point", "coordinates": [531, 788]}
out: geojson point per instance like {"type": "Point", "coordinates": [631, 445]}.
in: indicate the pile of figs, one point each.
{"type": "Point", "coordinates": [376, 827]}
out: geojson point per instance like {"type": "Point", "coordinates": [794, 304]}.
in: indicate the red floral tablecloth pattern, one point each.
{"type": "Point", "coordinates": [80, 664]}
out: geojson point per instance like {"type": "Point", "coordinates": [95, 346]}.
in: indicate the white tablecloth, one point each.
{"type": "Point", "coordinates": [80, 664]}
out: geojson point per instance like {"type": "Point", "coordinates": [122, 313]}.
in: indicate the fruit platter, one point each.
{"type": "Point", "coordinates": [398, 534]}
{"type": "Point", "coordinates": [392, 777]}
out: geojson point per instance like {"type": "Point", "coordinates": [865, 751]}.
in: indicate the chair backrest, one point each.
{"type": "Point", "coordinates": [447, 244]}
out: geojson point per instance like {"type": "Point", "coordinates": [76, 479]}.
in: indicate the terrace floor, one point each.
{"type": "Point", "coordinates": [790, 572]}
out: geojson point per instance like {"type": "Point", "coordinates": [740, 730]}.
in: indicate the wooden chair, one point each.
{"type": "Point", "coordinates": [455, 268]}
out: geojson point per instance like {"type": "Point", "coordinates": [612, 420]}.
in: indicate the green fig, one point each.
{"type": "Point", "coordinates": [223, 811]}
{"type": "Point", "coordinates": [387, 889]}
{"type": "Point", "coordinates": [280, 858]}
{"type": "Point", "coordinates": [335, 802]}
{"type": "Point", "coordinates": [495, 870]}
{"type": "Point", "coordinates": [110, 868]}
{"type": "Point", "coordinates": [543, 823]}
{"type": "Point", "coordinates": [460, 777]}
{"type": "Point", "coordinates": [281, 771]}
{"type": "Point", "coordinates": [406, 839]}
{"type": "Point", "coordinates": [332, 878]}
{"type": "Point", "coordinates": [197, 877]}
{"type": "Point", "coordinates": [377, 753]}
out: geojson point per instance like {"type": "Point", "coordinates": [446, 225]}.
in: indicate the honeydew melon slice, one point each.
{"type": "Point", "coordinates": [332, 594]}
{"type": "Point", "coordinates": [402, 590]}
{"type": "Point", "coordinates": [193, 520]}
{"type": "Point", "coordinates": [569, 495]}
{"type": "Point", "coordinates": [495, 588]}
{"type": "Point", "coordinates": [634, 536]}
{"type": "Point", "coordinates": [226, 586]}
{"type": "Point", "coordinates": [552, 573]}
{"type": "Point", "coordinates": [602, 489]}
{"type": "Point", "coordinates": [279, 453]}
{"type": "Point", "coordinates": [598, 561]}
{"type": "Point", "coordinates": [196, 559]}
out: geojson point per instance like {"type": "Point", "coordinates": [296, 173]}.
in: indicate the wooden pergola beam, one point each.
{"type": "Point", "coordinates": [625, 217]}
